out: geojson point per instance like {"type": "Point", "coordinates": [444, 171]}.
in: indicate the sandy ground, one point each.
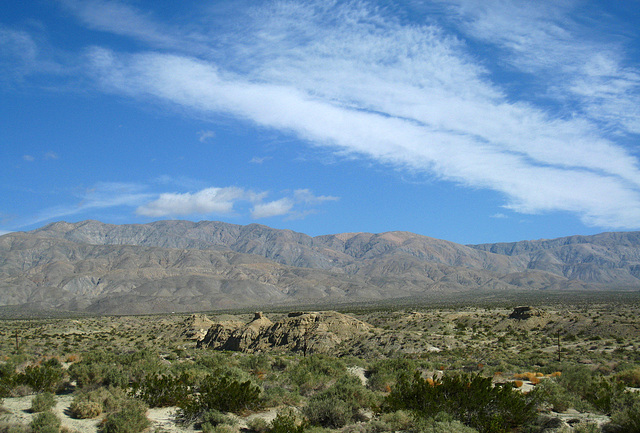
{"type": "Point", "coordinates": [16, 410]}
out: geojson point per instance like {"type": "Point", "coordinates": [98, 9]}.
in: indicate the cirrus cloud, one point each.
{"type": "Point", "coordinates": [411, 96]}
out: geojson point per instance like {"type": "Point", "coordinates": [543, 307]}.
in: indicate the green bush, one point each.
{"type": "Point", "coordinates": [219, 393]}
{"type": "Point", "coordinates": [559, 398]}
{"type": "Point", "coordinates": [91, 374]}
{"type": "Point", "coordinates": [339, 404]}
{"type": "Point", "coordinates": [313, 372]}
{"type": "Point", "coordinates": [472, 400]}
{"type": "Point", "coordinates": [14, 428]}
{"type": "Point", "coordinates": [286, 421]}
{"type": "Point", "coordinates": [130, 418]}
{"type": "Point", "coordinates": [42, 402]}
{"type": "Point", "coordinates": [89, 404]}
{"type": "Point", "coordinates": [630, 377]}
{"type": "Point", "coordinates": [258, 425]}
{"type": "Point", "coordinates": [163, 390]}
{"type": "Point", "coordinates": [626, 415]}
{"type": "Point", "coordinates": [398, 420]}
{"type": "Point", "coordinates": [384, 373]}
{"type": "Point", "coordinates": [45, 422]}
{"type": "Point", "coordinates": [47, 377]}
{"type": "Point", "coordinates": [215, 418]}
{"type": "Point", "coordinates": [8, 379]}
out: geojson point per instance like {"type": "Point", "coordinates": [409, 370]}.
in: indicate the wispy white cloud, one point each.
{"type": "Point", "coordinates": [355, 79]}
{"type": "Point", "coordinates": [24, 53]}
{"type": "Point", "coordinates": [28, 158]}
{"type": "Point", "coordinates": [142, 199]}
{"type": "Point", "coordinates": [121, 19]}
{"type": "Point", "coordinates": [103, 195]}
{"type": "Point", "coordinates": [584, 65]}
{"type": "Point", "coordinates": [259, 159]}
{"type": "Point", "coordinates": [204, 136]}
{"type": "Point", "coordinates": [306, 196]}
{"type": "Point", "coordinates": [51, 155]}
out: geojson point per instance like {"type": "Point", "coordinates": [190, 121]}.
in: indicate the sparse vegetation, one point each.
{"type": "Point", "coordinates": [465, 385]}
{"type": "Point", "coordinates": [43, 402]}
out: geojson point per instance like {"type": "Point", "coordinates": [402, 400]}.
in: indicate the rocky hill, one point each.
{"type": "Point", "coordinates": [186, 266]}
{"type": "Point", "coordinates": [327, 332]}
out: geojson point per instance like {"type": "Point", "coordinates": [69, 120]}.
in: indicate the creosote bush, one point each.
{"type": "Point", "coordinates": [46, 377]}
{"type": "Point", "coordinates": [339, 404]}
{"type": "Point", "coordinates": [42, 402]}
{"type": "Point", "coordinates": [129, 418]}
{"type": "Point", "coordinates": [286, 421]}
{"type": "Point", "coordinates": [163, 390]}
{"type": "Point", "coordinates": [90, 404]}
{"type": "Point", "coordinates": [218, 393]}
{"type": "Point", "coordinates": [472, 400]}
{"type": "Point", "coordinates": [45, 422]}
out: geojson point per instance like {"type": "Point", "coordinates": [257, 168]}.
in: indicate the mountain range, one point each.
{"type": "Point", "coordinates": [184, 266]}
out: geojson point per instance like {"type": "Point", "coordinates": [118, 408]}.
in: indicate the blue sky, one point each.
{"type": "Point", "coordinates": [471, 121]}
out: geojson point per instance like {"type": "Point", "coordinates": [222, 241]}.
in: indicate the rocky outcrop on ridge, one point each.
{"type": "Point", "coordinates": [524, 313]}
{"type": "Point", "coordinates": [307, 332]}
{"type": "Point", "coordinates": [195, 327]}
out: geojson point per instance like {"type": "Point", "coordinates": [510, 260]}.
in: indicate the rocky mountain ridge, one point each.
{"type": "Point", "coordinates": [189, 266]}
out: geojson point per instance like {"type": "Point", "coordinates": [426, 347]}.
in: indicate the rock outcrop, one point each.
{"type": "Point", "coordinates": [195, 327]}
{"type": "Point", "coordinates": [307, 332]}
{"type": "Point", "coordinates": [524, 313]}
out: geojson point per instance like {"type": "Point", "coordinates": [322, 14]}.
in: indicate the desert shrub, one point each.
{"type": "Point", "coordinates": [8, 379]}
{"type": "Point", "coordinates": [398, 420]}
{"type": "Point", "coordinates": [215, 418]}
{"type": "Point", "coordinates": [315, 371]}
{"type": "Point", "coordinates": [14, 428]}
{"type": "Point", "coordinates": [256, 362]}
{"type": "Point", "coordinates": [85, 409]}
{"type": "Point", "coordinates": [328, 412]}
{"type": "Point", "coordinates": [441, 423]}
{"type": "Point", "coordinates": [626, 414]}
{"type": "Point", "coordinates": [472, 400]}
{"type": "Point", "coordinates": [286, 421]}
{"type": "Point", "coordinates": [221, 428]}
{"type": "Point", "coordinates": [89, 404]}
{"type": "Point", "coordinates": [258, 425]}
{"type": "Point", "coordinates": [45, 422]}
{"type": "Point", "coordinates": [88, 374]}
{"type": "Point", "coordinates": [42, 402]}
{"type": "Point", "coordinates": [275, 394]}
{"type": "Point", "coordinates": [384, 373]}
{"type": "Point", "coordinates": [129, 418]}
{"type": "Point", "coordinates": [163, 390]}
{"type": "Point", "coordinates": [587, 389]}
{"type": "Point", "coordinates": [45, 377]}
{"type": "Point", "coordinates": [103, 368]}
{"type": "Point", "coordinates": [559, 398]}
{"type": "Point", "coordinates": [604, 393]}
{"type": "Point", "coordinates": [339, 404]}
{"type": "Point", "coordinates": [586, 427]}
{"type": "Point", "coordinates": [219, 393]}
{"type": "Point", "coordinates": [630, 377]}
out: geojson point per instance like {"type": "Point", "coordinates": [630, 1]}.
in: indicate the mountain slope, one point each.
{"type": "Point", "coordinates": [187, 266]}
{"type": "Point", "coordinates": [605, 258]}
